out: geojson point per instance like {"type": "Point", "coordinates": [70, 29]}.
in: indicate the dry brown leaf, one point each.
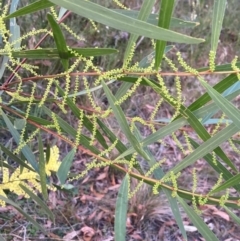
{"type": "Point", "coordinates": [71, 235]}
{"type": "Point", "coordinates": [109, 239]}
{"type": "Point", "coordinates": [136, 236]}
{"type": "Point", "coordinates": [214, 210]}
{"type": "Point", "coordinates": [112, 177]}
{"type": "Point", "coordinates": [100, 216]}
{"type": "Point", "coordinates": [170, 223]}
{"type": "Point", "coordinates": [132, 214]}
{"type": "Point", "coordinates": [222, 215]}
{"type": "Point", "coordinates": [85, 179]}
{"type": "Point", "coordinates": [150, 107]}
{"type": "Point", "coordinates": [190, 228]}
{"type": "Point", "coordinates": [85, 198]}
{"type": "Point", "coordinates": [90, 217]}
{"type": "Point", "coordinates": [52, 200]}
{"type": "Point", "coordinates": [101, 176]}
{"type": "Point", "coordinates": [211, 207]}
{"type": "Point", "coordinates": [161, 232]}
{"type": "Point", "coordinates": [32, 41]}
{"type": "Point", "coordinates": [4, 209]}
{"type": "Point", "coordinates": [88, 233]}
{"type": "Point", "coordinates": [128, 223]}
{"type": "Point", "coordinates": [105, 209]}
{"type": "Point", "coordinates": [54, 236]}
{"type": "Point", "coordinates": [16, 239]}
{"type": "Point", "coordinates": [114, 187]}
{"type": "Point", "coordinates": [48, 224]}
{"type": "Point", "coordinates": [98, 195]}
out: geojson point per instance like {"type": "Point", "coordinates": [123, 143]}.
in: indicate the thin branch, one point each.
{"type": "Point", "coordinates": [12, 75]}
{"type": "Point", "coordinates": [148, 180]}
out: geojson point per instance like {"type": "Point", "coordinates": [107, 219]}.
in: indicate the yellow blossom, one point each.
{"type": "Point", "coordinates": [53, 164]}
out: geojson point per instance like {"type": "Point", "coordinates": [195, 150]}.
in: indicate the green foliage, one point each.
{"type": "Point", "coordinates": [39, 105]}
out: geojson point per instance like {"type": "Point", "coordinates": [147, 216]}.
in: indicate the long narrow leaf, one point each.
{"type": "Point", "coordinates": [158, 135]}
{"type": "Point", "coordinates": [215, 199]}
{"type": "Point", "coordinates": [204, 135]}
{"type": "Point", "coordinates": [153, 19]}
{"type": "Point", "coordinates": [222, 67]}
{"type": "Point", "coordinates": [198, 222]}
{"type": "Point", "coordinates": [219, 87]}
{"type": "Point", "coordinates": [121, 211]}
{"type": "Point", "coordinates": [230, 93]}
{"type": "Point", "coordinates": [143, 15]}
{"type": "Point", "coordinates": [175, 125]}
{"type": "Point", "coordinates": [226, 106]}
{"type": "Point", "coordinates": [25, 150]}
{"type": "Point", "coordinates": [64, 168]}
{"type": "Point", "coordinates": [29, 218]}
{"type": "Point", "coordinates": [59, 41]}
{"type": "Point", "coordinates": [235, 218]}
{"type": "Point", "coordinates": [193, 121]}
{"type": "Point", "coordinates": [158, 174]}
{"type": "Point", "coordinates": [38, 201]}
{"type": "Point", "coordinates": [118, 113]}
{"type": "Point", "coordinates": [146, 61]}
{"type": "Point", "coordinates": [205, 148]}
{"type": "Point", "coordinates": [14, 27]}
{"type": "Point", "coordinates": [31, 8]}
{"type": "Point", "coordinates": [4, 164]}
{"type": "Point", "coordinates": [53, 53]}
{"type": "Point", "coordinates": [84, 141]}
{"type": "Point", "coordinates": [86, 121]}
{"type": "Point", "coordinates": [110, 18]}
{"type": "Point", "coordinates": [164, 20]}
{"type": "Point", "coordinates": [229, 183]}
{"type": "Point", "coordinates": [219, 168]}
{"type": "Point", "coordinates": [42, 171]}
{"type": "Point", "coordinates": [15, 158]}
{"type": "Point", "coordinates": [217, 20]}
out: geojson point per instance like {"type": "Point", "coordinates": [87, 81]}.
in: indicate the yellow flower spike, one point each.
{"type": "Point", "coordinates": [212, 56]}
{"type": "Point", "coordinates": [53, 163]}
{"type": "Point", "coordinates": [2, 193]}
{"type": "Point", "coordinates": [17, 96]}
{"type": "Point", "coordinates": [27, 175]}
{"type": "Point", "coordinates": [120, 4]}
{"type": "Point", "coordinates": [5, 175]}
